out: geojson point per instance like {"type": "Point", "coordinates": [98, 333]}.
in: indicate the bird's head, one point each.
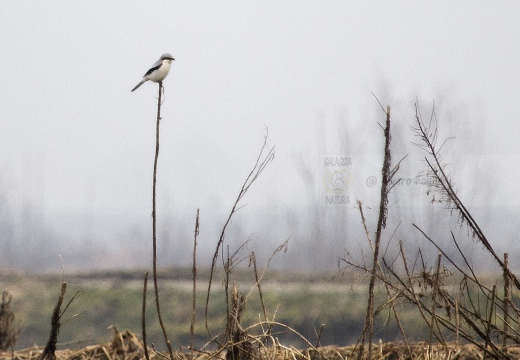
{"type": "Point", "coordinates": [168, 57]}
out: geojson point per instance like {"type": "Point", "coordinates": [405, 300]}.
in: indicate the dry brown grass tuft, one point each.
{"type": "Point", "coordinates": [126, 345]}
{"type": "Point", "coordinates": [8, 332]}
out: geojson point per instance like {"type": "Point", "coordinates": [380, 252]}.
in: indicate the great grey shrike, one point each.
{"type": "Point", "coordinates": [158, 71]}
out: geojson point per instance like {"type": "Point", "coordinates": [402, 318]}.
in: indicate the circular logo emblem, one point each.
{"type": "Point", "coordinates": [337, 181]}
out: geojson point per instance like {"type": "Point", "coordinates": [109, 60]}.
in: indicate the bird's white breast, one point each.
{"type": "Point", "coordinates": [159, 74]}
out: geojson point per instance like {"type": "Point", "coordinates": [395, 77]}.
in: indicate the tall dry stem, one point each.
{"type": "Point", "coordinates": [194, 294]}
{"type": "Point", "coordinates": [143, 316]}
{"type": "Point", "coordinates": [387, 174]}
{"type": "Point", "coordinates": [154, 223]}
{"type": "Point", "coordinates": [507, 300]}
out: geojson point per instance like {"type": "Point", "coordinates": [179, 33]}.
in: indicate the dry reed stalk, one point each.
{"type": "Point", "coordinates": [457, 322]}
{"type": "Point", "coordinates": [154, 223]}
{"type": "Point", "coordinates": [8, 333]}
{"type": "Point", "coordinates": [258, 285]}
{"type": "Point", "coordinates": [143, 316]}
{"type": "Point", "coordinates": [489, 320]}
{"type": "Point", "coordinates": [194, 293]}
{"type": "Point", "coordinates": [434, 326]}
{"type": "Point", "coordinates": [388, 288]}
{"type": "Point", "coordinates": [258, 279]}
{"type": "Point", "coordinates": [318, 338]}
{"type": "Point", "coordinates": [50, 349]}
{"type": "Point", "coordinates": [507, 299]}
{"type": "Point", "coordinates": [386, 173]}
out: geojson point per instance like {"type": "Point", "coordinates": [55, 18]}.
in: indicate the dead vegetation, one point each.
{"type": "Point", "coordinates": [480, 315]}
{"type": "Point", "coordinates": [126, 345]}
{"type": "Point", "coordinates": [8, 331]}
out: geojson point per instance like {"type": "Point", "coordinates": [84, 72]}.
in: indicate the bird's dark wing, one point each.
{"type": "Point", "coordinates": [152, 69]}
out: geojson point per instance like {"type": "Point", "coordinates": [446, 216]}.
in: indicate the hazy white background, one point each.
{"type": "Point", "coordinates": [76, 146]}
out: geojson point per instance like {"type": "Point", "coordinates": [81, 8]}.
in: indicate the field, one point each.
{"type": "Point", "coordinates": [302, 302]}
{"type": "Point", "coordinates": [104, 321]}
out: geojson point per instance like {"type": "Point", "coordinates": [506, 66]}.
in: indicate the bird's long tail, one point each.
{"type": "Point", "coordinates": [141, 83]}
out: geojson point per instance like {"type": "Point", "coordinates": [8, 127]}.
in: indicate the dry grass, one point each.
{"type": "Point", "coordinates": [127, 345]}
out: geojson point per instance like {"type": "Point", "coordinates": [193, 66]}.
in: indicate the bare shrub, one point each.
{"type": "Point", "coordinates": [8, 332]}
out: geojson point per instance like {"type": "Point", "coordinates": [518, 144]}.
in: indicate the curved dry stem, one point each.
{"type": "Point", "coordinates": [258, 168]}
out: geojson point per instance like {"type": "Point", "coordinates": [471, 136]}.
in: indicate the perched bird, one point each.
{"type": "Point", "coordinates": [158, 71]}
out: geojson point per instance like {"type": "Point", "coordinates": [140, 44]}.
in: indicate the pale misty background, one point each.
{"type": "Point", "coordinates": [77, 146]}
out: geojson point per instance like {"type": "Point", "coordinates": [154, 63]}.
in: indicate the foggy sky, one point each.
{"type": "Point", "coordinates": [77, 146]}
